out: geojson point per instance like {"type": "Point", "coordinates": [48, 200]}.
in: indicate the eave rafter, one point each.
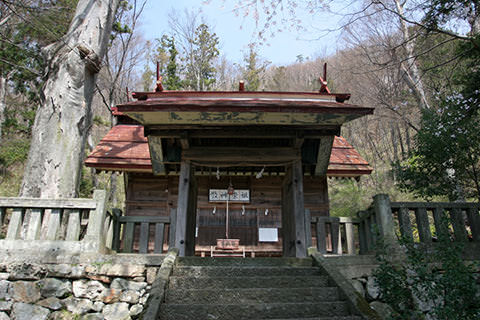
{"type": "Point", "coordinates": [240, 155]}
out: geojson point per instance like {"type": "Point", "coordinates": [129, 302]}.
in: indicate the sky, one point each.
{"type": "Point", "coordinates": [235, 32]}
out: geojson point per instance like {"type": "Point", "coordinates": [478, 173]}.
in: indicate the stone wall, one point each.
{"type": "Point", "coordinates": [358, 271]}
{"type": "Point", "coordinates": [106, 287]}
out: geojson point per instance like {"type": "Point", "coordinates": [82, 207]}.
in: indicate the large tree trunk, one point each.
{"type": "Point", "coordinates": [64, 118]}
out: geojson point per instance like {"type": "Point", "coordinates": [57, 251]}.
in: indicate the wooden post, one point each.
{"type": "Point", "coordinates": [54, 221]}
{"type": "Point", "coordinates": [144, 237]}
{"type": "Point", "coordinates": [173, 225]}
{"type": "Point", "coordinates": [96, 222]}
{"type": "Point", "coordinates": [128, 234]}
{"type": "Point", "coordinates": [373, 228]}
{"type": "Point", "coordinates": [3, 212]}
{"type": "Point", "coordinates": [109, 238]}
{"type": "Point", "coordinates": [186, 211]}
{"type": "Point", "coordinates": [474, 222]}
{"type": "Point", "coordinates": [34, 224]}
{"type": "Point", "coordinates": [73, 226]}
{"type": "Point", "coordinates": [321, 235]}
{"type": "Point", "coordinates": [349, 235]}
{"type": "Point", "coordinates": [458, 223]}
{"type": "Point", "coordinates": [405, 223]}
{"type": "Point", "coordinates": [384, 219]}
{"type": "Point", "coordinates": [293, 212]}
{"type": "Point", "coordinates": [362, 232]}
{"type": "Point", "coordinates": [159, 230]}
{"type": "Point", "coordinates": [335, 234]}
{"type": "Point", "coordinates": [308, 228]}
{"type": "Point", "coordinates": [441, 222]}
{"type": "Point", "coordinates": [423, 225]}
{"type": "Point", "coordinates": [116, 229]}
{"type": "Point", "coordinates": [15, 225]}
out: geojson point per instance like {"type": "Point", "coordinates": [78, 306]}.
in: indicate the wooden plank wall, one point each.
{"type": "Point", "coordinates": [149, 195]}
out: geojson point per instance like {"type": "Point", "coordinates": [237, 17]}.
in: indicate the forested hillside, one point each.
{"type": "Point", "coordinates": [416, 63]}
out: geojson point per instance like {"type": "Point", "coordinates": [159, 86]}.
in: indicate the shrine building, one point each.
{"type": "Point", "coordinates": [237, 169]}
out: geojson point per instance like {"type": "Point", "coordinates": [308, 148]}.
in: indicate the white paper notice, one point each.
{"type": "Point", "coordinates": [267, 234]}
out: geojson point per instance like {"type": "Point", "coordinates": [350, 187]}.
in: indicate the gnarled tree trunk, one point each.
{"type": "Point", "coordinates": [64, 117]}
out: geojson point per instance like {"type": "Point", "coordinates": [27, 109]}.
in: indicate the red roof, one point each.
{"type": "Point", "coordinates": [345, 160]}
{"type": "Point", "coordinates": [264, 101]}
{"type": "Point", "coordinates": [125, 148]}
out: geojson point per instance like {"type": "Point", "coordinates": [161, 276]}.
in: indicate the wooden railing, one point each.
{"type": "Point", "coordinates": [420, 222]}
{"type": "Point", "coordinates": [75, 226]}
{"type": "Point", "coordinates": [431, 219]}
{"type": "Point", "coordinates": [335, 235]}
{"type": "Point", "coordinates": [142, 234]}
{"type": "Point", "coordinates": [70, 225]}
{"type": "Point", "coordinates": [367, 231]}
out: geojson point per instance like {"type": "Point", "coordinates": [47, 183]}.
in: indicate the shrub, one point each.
{"type": "Point", "coordinates": [431, 283]}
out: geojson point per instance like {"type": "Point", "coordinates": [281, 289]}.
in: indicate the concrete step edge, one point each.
{"type": "Point", "coordinates": [252, 311]}
{"type": "Point", "coordinates": [320, 276]}
{"type": "Point", "coordinates": [250, 295]}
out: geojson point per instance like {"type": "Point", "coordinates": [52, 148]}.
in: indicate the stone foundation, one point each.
{"type": "Point", "coordinates": [110, 287]}
{"type": "Point", "coordinates": [358, 270]}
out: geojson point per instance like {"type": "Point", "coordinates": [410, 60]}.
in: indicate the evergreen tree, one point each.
{"type": "Point", "coordinates": [165, 54]}
{"type": "Point", "coordinates": [200, 70]}
{"type": "Point", "coordinates": [172, 80]}
{"type": "Point", "coordinates": [253, 72]}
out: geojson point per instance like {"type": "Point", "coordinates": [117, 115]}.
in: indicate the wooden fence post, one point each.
{"type": "Point", "coordinates": [116, 213]}
{"type": "Point", "coordinates": [423, 225]}
{"type": "Point", "coordinates": [349, 235]}
{"type": "Point", "coordinates": [321, 236]}
{"type": "Point", "coordinates": [458, 223]}
{"type": "Point", "coordinates": [96, 221]}
{"type": "Point", "coordinates": [34, 224]}
{"type": "Point", "coordinates": [3, 212]}
{"type": "Point", "coordinates": [54, 221]}
{"type": "Point", "coordinates": [474, 221]}
{"type": "Point", "coordinates": [405, 223]}
{"type": "Point", "coordinates": [335, 234]}
{"type": "Point", "coordinates": [73, 226]}
{"type": "Point", "coordinates": [363, 232]}
{"type": "Point", "coordinates": [173, 225]}
{"type": "Point", "coordinates": [384, 219]}
{"type": "Point", "coordinates": [308, 228]}
{"type": "Point", "coordinates": [15, 225]}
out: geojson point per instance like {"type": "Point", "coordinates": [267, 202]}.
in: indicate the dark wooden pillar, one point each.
{"type": "Point", "coordinates": [293, 213]}
{"type": "Point", "coordinates": [186, 211]}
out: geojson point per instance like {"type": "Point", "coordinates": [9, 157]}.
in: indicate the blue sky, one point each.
{"type": "Point", "coordinates": [235, 33]}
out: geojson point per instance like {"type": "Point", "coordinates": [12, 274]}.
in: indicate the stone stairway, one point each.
{"type": "Point", "coordinates": [260, 288]}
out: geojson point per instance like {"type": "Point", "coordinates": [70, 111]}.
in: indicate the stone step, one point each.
{"type": "Point", "coordinates": [228, 261]}
{"type": "Point", "coordinates": [252, 296]}
{"type": "Point", "coordinates": [243, 271]}
{"type": "Point", "coordinates": [246, 282]}
{"type": "Point", "coordinates": [253, 311]}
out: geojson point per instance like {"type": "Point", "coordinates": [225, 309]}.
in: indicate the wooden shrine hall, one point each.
{"type": "Point", "coordinates": [236, 166]}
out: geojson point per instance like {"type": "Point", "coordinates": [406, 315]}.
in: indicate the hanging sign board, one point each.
{"type": "Point", "coordinates": [221, 195]}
